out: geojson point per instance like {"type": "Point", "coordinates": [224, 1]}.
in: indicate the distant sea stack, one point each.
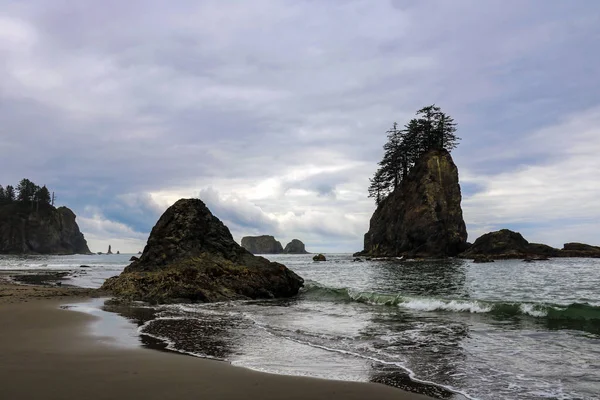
{"type": "Point", "coordinates": [109, 250]}
{"type": "Point", "coordinates": [192, 257]}
{"type": "Point", "coordinates": [264, 244]}
{"type": "Point", "coordinates": [295, 247]}
{"type": "Point", "coordinates": [29, 228]}
{"type": "Point", "coordinates": [422, 217]}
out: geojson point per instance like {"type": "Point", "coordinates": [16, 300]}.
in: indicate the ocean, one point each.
{"type": "Point", "coordinates": [450, 328]}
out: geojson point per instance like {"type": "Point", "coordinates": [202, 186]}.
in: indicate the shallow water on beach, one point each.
{"type": "Point", "coordinates": [451, 329]}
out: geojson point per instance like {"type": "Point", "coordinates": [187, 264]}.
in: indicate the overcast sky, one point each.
{"type": "Point", "coordinates": [274, 112]}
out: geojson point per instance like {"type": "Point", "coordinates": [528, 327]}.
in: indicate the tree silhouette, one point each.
{"type": "Point", "coordinates": [432, 129]}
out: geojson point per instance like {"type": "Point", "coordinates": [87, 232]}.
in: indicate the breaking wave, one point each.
{"type": "Point", "coordinates": [574, 311]}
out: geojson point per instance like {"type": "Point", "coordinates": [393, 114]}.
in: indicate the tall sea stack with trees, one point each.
{"type": "Point", "coordinates": [417, 192]}
{"type": "Point", "coordinates": [30, 224]}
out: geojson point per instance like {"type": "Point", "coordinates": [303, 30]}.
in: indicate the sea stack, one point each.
{"type": "Point", "coordinates": [192, 257]}
{"type": "Point", "coordinates": [423, 216]}
{"type": "Point", "coordinates": [42, 229]}
{"type": "Point", "coordinates": [295, 247]}
{"type": "Point", "coordinates": [264, 244]}
{"type": "Point", "coordinates": [109, 250]}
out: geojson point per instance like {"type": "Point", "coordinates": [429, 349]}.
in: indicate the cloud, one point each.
{"type": "Point", "coordinates": [276, 112]}
{"type": "Point", "coordinates": [559, 192]}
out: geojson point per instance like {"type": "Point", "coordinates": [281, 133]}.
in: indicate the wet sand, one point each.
{"type": "Point", "coordinates": [46, 352]}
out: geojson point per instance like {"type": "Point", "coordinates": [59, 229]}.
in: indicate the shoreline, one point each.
{"type": "Point", "coordinates": [47, 353]}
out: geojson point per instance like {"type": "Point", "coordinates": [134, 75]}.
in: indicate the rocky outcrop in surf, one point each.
{"type": "Point", "coordinates": [506, 244]}
{"type": "Point", "coordinates": [192, 257]}
{"type": "Point", "coordinates": [27, 228]}
{"type": "Point", "coordinates": [264, 244]}
{"type": "Point", "coordinates": [295, 247]}
{"type": "Point", "coordinates": [423, 216]}
{"type": "Point", "coordinates": [580, 250]}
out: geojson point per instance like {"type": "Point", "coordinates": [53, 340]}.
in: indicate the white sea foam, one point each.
{"type": "Point", "coordinates": [442, 305]}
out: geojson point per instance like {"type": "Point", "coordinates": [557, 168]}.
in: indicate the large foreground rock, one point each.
{"type": "Point", "coordinates": [264, 244]}
{"type": "Point", "coordinates": [506, 244]}
{"type": "Point", "coordinates": [39, 229]}
{"type": "Point", "coordinates": [295, 247]}
{"type": "Point", "coordinates": [191, 256]}
{"type": "Point", "coordinates": [422, 217]}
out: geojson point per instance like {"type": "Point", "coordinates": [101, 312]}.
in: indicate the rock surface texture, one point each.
{"type": "Point", "coordinates": [264, 244]}
{"type": "Point", "coordinates": [39, 229]}
{"type": "Point", "coordinates": [422, 217]}
{"type": "Point", "coordinates": [191, 256]}
{"type": "Point", "coordinates": [295, 247]}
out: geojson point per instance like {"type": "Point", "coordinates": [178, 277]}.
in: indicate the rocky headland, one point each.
{"type": "Point", "coordinates": [423, 216]}
{"type": "Point", "coordinates": [192, 257]}
{"type": "Point", "coordinates": [29, 228]}
{"type": "Point", "coordinates": [264, 244]}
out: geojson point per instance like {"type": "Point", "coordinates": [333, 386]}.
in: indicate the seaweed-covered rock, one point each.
{"type": "Point", "coordinates": [422, 217]}
{"type": "Point", "coordinates": [191, 256]}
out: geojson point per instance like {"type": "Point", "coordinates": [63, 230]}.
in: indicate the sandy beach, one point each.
{"type": "Point", "coordinates": [46, 352]}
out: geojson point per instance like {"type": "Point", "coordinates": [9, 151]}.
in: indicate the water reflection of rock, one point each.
{"type": "Point", "coordinates": [443, 278]}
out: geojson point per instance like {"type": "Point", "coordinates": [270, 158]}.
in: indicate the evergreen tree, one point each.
{"type": "Point", "coordinates": [26, 190]}
{"type": "Point", "coordinates": [445, 132]}
{"type": "Point", "coordinates": [379, 187]}
{"type": "Point", "coordinates": [2, 195]}
{"type": "Point", "coordinates": [9, 194]}
{"type": "Point", "coordinates": [43, 195]}
{"type": "Point", "coordinates": [390, 164]}
{"type": "Point", "coordinates": [432, 129]}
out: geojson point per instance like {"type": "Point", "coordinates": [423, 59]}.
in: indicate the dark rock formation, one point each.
{"type": "Point", "coordinates": [109, 250]}
{"type": "Point", "coordinates": [579, 250]}
{"type": "Point", "coordinates": [422, 217]}
{"type": "Point", "coordinates": [118, 252]}
{"type": "Point", "coordinates": [295, 247]}
{"type": "Point", "coordinates": [264, 244]}
{"type": "Point", "coordinates": [482, 259]}
{"type": "Point", "coordinates": [39, 229]}
{"type": "Point", "coordinates": [133, 258]}
{"type": "Point", "coordinates": [319, 257]}
{"type": "Point", "coordinates": [191, 256]}
{"type": "Point", "coordinates": [506, 244]}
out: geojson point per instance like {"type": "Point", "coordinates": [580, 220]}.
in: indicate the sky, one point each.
{"type": "Point", "coordinates": [274, 112]}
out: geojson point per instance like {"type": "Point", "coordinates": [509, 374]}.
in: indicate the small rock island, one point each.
{"type": "Point", "coordinates": [192, 257]}
{"type": "Point", "coordinates": [264, 244]}
{"type": "Point", "coordinates": [267, 244]}
{"type": "Point", "coordinates": [295, 247]}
